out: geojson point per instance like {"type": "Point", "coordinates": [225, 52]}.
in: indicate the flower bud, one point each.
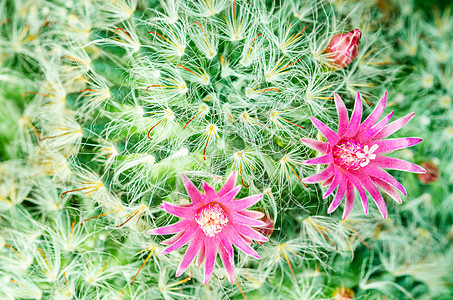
{"type": "Point", "coordinates": [432, 172]}
{"type": "Point", "coordinates": [343, 48]}
{"type": "Point", "coordinates": [266, 230]}
{"type": "Point", "coordinates": [343, 293]}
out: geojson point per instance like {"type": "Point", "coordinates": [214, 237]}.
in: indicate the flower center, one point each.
{"type": "Point", "coordinates": [345, 154]}
{"type": "Point", "coordinates": [211, 218]}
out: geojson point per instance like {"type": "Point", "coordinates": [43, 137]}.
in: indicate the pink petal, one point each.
{"type": "Point", "coordinates": [349, 200]}
{"type": "Point", "coordinates": [209, 191]}
{"type": "Point", "coordinates": [342, 114]}
{"type": "Point", "coordinates": [336, 181]}
{"type": "Point", "coordinates": [245, 202]}
{"type": "Point", "coordinates": [226, 199]}
{"type": "Point", "coordinates": [251, 214]}
{"type": "Point", "coordinates": [370, 133]}
{"type": "Point", "coordinates": [195, 245]}
{"type": "Point", "coordinates": [236, 239]}
{"type": "Point", "coordinates": [389, 145]}
{"type": "Point", "coordinates": [201, 255]}
{"type": "Point", "coordinates": [315, 144]}
{"type": "Point", "coordinates": [393, 127]}
{"type": "Point", "coordinates": [325, 174]}
{"type": "Point", "coordinates": [225, 241]}
{"type": "Point", "coordinates": [330, 135]}
{"type": "Point", "coordinates": [173, 228]}
{"type": "Point", "coordinates": [377, 172]}
{"type": "Point", "coordinates": [246, 240]}
{"type": "Point", "coordinates": [328, 181]}
{"type": "Point", "coordinates": [375, 115]}
{"type": "Point", "coordinates": [356, 118]}
{"type": "Point", "coordinates": [374, 192]}
{"type": "Point", "coordinates": [338, 197]}
{"type": "Point", "coordinates": [358, 185]}
{"type": "Point", "coordinates": [237, 218]}
{"type": "Point", "coordinates": [229, 184]}
{"type": "Point", "coordinates": [183, 211]}
{"type": "Point", "coordinates": [396, 164]}
{"type": "Point", "coordinates": [211, 245]}
{"type": "Point", "coordinates": [228, 263]}
{"type": "Point", "coordinates": [185, 238]}
{"type": "Point", "coordinates": [250, 233]}
{"type": "Point", "coordinates": [192, 190]}
{"type": "Point", "coordinates": [325, 159]}
{"type": "Point", "coordinates": [173, 239]}
{"type": "Point", "coordinates": [390, 190]}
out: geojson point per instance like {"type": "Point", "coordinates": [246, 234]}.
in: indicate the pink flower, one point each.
{"type": "Point", "coordinates": [354, 155]}
{"type": "Point", "coordinates": [214, 221]}
{"type": "Point", "coordinates": [343, 48]}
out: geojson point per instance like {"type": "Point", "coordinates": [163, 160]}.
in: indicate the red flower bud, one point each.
{"type": "Point", "coordinates": [343, 293]}
{"type": "Point", "coordinates": [343, 48]}
{"type": "Point", "coordinates": [266, 230]}
{"type": "Point", "coordinates": [432, 172]}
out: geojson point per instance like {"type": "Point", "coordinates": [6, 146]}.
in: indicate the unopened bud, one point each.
{"type": "Point", "coordinates": [432, 172]}
{"type": "Point", "coordinates": [343, 48]}
{"type": "Point", "coordinates": [266, 230]}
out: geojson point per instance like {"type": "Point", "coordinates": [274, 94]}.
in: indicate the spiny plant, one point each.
{"type": "Point", "coordinates": [110, 101]}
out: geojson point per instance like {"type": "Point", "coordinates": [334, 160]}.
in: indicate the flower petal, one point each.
{"type": "Point", "coordinates": [390, 190]}
{"type": "Point", "coordinates": [229, 184]}
{"type": "Point", "coordinates": [225, 241]}
{"type": "Point", "coordinates": [195, 195]}
{"type": "Point", "coordinates": [315, 144]}
{"type": "Point", "coordinates": [325, 174]}
{"type": "Point", "coordinates": [228, 263]}
{"type": "Point", "coordinates": [375, 194]}
{"type": "Point", "coordinates": [374, 116]}
{"type": "Point", "coordinates": [226, 199]}
{"type": "Point", "coordinates": [358, 185]}
{"type": "Point", "coordinates": [393, 127]}
{"type": "Point", "coordinates": [211, 244]}
{"type": "Point", "coordinates": [195, 245]}
{"type": "Point", "coordinates": [390, 145]}
{"type": "Point", "coordinates": [173, 239]}
{"type": "Point", "coordinates": [336, 181]}
{"type": "Point", "coordinates": [343, 118]}
{"type": "Point", "coordinates": [349, 199]}
{"type": "Point", "coordinates": [356, 118]}
{"type": "Point", "coordinates": [331, 136]}
{"type": "Point", "coordinates": [325, 159]}
{"type": "Point", "coordinates": [183, 211]}
{"type": "Point", "coordinates": [237, 218]}
{"type": "Point", "coordinates": [250, 233]}
{"type": "Point", "coordinates": [237, 240]}
{"type": "Point", "coordinates": [370, 133]}
{"type": "Point", "coordinates": [396, 164]}
{"type": "Point", "coordinates": [209, 191]}
{"type": "Point", "coordinates": [185, 238]}
{"type": "Point", "coordinates": [328, 181]}
{"type": "Point", "coordinates": [377, 172]}
{"type": "Point", "coordinates": [251, 214]}
{"type": "Point", "coordinates": [173, 228]}
{"type": "Point", "coordinates": [201, 255]}
{"type": "Point", "coordinates": [339, 196]}
{"type": "Point", "coordinates": [244, 203]}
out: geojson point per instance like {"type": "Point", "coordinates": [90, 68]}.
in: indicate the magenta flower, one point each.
{"type": "Point", "coordinates": [343, 48]}
{"type": "Point", "coordinates": [214, 221]}
{"type": "Point", "coordinates": [354, 155]}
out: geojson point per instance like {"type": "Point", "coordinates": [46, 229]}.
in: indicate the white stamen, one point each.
{"type": "Point", "coordinates": [367, 154]}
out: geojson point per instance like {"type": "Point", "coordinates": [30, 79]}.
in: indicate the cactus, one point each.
{"type": "Point", "coordinates": [105, 104]}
